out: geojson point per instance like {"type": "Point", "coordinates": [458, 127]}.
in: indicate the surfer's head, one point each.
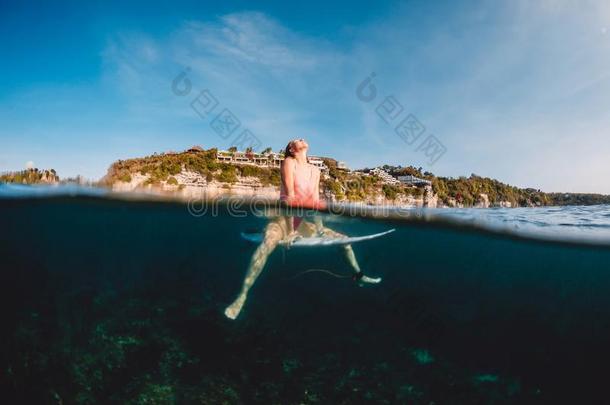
{"type": "Point", "coordinates": [295, 146]}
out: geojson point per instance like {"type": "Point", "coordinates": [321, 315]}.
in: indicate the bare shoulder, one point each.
{"type": "Point", "coordinates": [288, 162]}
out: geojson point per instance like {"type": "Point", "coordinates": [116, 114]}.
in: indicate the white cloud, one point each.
{"type": "Point", "coordinates": [254, 38]}
{"type": "Point", "coordinates": [268, 75]}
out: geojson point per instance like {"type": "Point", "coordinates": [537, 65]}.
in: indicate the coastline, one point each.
{"type": "Point", "coordinates": [192, 186]}
{"type": "Point", "coordinates": [197, 173]}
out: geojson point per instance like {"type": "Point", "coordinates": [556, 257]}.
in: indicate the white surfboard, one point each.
{"type": "Point", "coordinates": [313, 241]}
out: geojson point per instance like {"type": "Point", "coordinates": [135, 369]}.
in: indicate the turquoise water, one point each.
{"type": "Point", "coordinates": [108, 300]}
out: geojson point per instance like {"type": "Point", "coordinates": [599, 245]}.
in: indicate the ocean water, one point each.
{"type": "Point", "coordinates": [114, 300]}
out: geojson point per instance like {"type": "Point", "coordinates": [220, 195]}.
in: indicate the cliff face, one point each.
{"type": "Point", "coordinates": [200, 173]}
{"type": "Point", "coordinates": [379, 198]}
{"type": "Point", "coordinates": [482, 202]}
{"type": "Point", "coordinates": [49, 177]}
{"type": "Point", "coordinates": [189, 184]}
{"type": "Point", "coordinates": [431, 199]}
{"type": "Point", "coordinates": [31, 176]}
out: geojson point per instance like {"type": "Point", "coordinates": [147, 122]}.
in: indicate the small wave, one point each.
{"type": "Point", "coordinates": [43, 191]}
{"type": "Point", "coordinates": [573, 224]}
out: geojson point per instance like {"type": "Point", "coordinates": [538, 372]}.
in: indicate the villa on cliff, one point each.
{"type": "Point", "coordinates": [414, 181]}
{"type": "Point", "coordinates": [270, 159]}
{"type": "Point", "coordinates": [387, 178]}
{"type": "Point", "coordinates": [274, 160]}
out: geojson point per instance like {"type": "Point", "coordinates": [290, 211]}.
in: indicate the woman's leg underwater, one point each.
{"type": "Point", "coordinates": [273, 235]}
{"type": "Point", "coordinates": [351, 259]}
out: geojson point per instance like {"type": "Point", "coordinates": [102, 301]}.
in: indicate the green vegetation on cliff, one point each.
{"type": "Point", "coordinates": [356, 186]}
{"type": "Point", "coordinates": [467, 190]}
{"type": "Point", "coordinates": [344, 185]}
{"type": "Point", "coordinates": [578, 198]}
{"type": "Point", "coordinates": [163, 168]}
{"type": "Point", "coordinates": [30, 176]}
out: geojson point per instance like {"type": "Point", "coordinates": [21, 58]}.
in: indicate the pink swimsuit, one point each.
{"type": "Point", "coordinates": [304, 190]}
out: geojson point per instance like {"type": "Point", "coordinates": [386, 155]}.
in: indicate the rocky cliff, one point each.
{"type": "Point", "coordinates": [189, 184]}
{"type": "Point", "coordinates": [31, 176]}
{"type": "Point", "coordinates": [198, 172]}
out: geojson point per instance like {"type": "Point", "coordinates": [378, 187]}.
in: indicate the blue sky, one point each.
{"type": "Point", "coordinates": [517, 90]}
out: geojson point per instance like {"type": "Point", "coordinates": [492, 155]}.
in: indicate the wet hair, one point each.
{"type": "Point", "coordinates": [288, 151]}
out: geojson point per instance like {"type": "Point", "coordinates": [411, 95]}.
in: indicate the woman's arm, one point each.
{"type": "Point", "coordinates": [317, 203]}
{"type": "Point", "coordinates": [316, 195]}
{"type": "Point", "coordinates": [287, 175]}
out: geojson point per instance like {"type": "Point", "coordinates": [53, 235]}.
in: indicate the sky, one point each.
{"type": "Point", "coordinates": [515, 90]}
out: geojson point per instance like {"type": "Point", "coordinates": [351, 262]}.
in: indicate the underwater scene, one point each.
{"type": "Point", "coordinates": [121, 301]}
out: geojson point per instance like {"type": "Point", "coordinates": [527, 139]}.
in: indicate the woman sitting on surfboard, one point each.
{"type": "Point", "coordinates": [300, 187]}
